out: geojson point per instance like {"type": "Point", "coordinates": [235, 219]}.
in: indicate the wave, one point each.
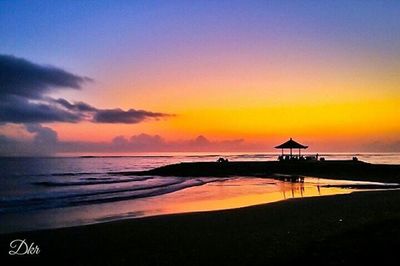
{"type": "Point", "coordinates": [142, 194]}
{"type": "Point", "coordinates": [202, 156]}
{"type": "Point", "coordinates": [69, 194]}
{"type": "Point", "coordinates": [124, 156]}
{"type": "Point", "coordinates": [90, 181]}
{"type": "Point", "coordinates": [120, 216]}
{"type": "Point", "coordinates": [67, 199]}
{"type": "Point", "coordinates": [68, 174]}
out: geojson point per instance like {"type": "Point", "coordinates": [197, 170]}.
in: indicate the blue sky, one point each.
{"type": "Point", "coordinates": [84, 33]}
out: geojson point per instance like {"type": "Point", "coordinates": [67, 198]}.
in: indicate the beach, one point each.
{"type": "Point", "coordinates": [45, 193]}
{"type": "Point", "coordinates": [331, 230]}
{"type": "Point", "coordinates": [254, 217]}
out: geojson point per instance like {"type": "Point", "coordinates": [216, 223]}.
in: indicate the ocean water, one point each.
{"type": "Point", "coordinates": [37, 193]}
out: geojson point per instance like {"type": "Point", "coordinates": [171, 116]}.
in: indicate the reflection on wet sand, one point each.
{"type": "Point", "coordinates": [238, 192]}
{"type": "Point", "coordinates": [298, 190]}
{"type": "Point", "coordinates": [224, 193]}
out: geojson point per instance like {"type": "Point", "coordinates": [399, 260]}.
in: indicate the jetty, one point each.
{"type": "Point", "coordinates": [337, 169]}
{"type": "Point", "coordinates": [288, 167]}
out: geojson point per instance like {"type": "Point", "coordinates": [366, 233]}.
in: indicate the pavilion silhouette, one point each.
{"type": "Point", "coordinates": [291, 144]}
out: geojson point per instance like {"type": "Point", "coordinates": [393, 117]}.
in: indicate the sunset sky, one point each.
{"type": "Point", "coordinates": [242, 75]}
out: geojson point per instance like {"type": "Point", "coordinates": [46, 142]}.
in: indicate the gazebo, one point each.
{"type": "Point", "coordinates": [291, 144]}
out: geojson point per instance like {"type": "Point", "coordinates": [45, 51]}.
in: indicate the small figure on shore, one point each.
{"type": "Point", "coordinates": [222, 160]}
{"type": "Point", "coordinates": [355, 159]}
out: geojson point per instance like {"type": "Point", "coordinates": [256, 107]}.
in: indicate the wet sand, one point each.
{"type": "Point", "coordinates": [332, 230]}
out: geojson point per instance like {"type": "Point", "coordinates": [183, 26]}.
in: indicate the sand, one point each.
{"type": "Point", "coordinates": [332, 230]}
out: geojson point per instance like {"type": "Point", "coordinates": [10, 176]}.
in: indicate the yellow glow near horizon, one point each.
{"type": "Point", "coordinates": [343, 102]}
{"type": "Point", "coordinates": [364, 120]}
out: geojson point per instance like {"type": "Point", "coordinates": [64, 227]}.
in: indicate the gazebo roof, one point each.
{"type": "Point", "coordinates": [291, 144]}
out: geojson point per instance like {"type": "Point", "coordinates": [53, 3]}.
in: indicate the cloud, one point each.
{"type": "Point", "coordinates": [77, 106]}
{"type": "Point", "coordinates": [156, 143]}
{"type": "Point", "coordinates": [15, 109]}
{"type": "Point", "coordinates": [111, 116]}
{"type": "Point", "coordinates": [23, 97]}
{"type": "Point", "coordinates": [131, 116]}
{"type": "Point", "coordinates": [46, 142]}
{"type": "Point", "coordinates": [43, 135]}
{"type": "Point", "coordinates": [393, 146]}
{"type": "Point", "coordinates": [23, 78]}
{"type": "Point", "coordinates": [23, 86]}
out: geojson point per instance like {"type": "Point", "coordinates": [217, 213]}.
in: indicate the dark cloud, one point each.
{"type": "Point", "coordinates": [45, 142]}
{"type": "Point", "coordinates": [131, 116]}
{"type": "Point", "coordinates": [14, 109]}
{"type": "Point", "coordinates": [23, 86]}
{"type": "Point", "coordinates": [77, 106]}
{"type": "Point", "coordinates": [11, 147]}
{"type": "Point", "coordinates": [117, 115]}
{"type": "Point", "coordinates": [23, 89]}
{"type": "Point", "coordinates": [43, 135]}
{"type": "Point", "coordinates": [26, 79]}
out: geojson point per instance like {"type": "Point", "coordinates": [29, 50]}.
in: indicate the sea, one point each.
{"type": "Point", "coordinates": [63, 191]}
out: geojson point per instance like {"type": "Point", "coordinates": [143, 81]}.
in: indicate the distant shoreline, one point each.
{"type": "Point", "coordinates": [186, 154]}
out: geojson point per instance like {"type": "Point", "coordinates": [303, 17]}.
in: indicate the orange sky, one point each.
{"type": "Point", "coordinates": [326, 74]}
{"type": "Point", "coordinates": [260, 102]}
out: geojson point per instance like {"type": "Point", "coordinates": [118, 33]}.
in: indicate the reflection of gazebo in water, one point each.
{"type": "Point", "coordinates": [291, 144]}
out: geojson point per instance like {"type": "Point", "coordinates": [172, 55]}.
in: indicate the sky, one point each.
{"type": "Point", "coordinates": [133, 76]}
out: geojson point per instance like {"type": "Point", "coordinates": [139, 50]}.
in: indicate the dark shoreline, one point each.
{"type": "Point", "coordinates": [330, 230]}
{"type": "Point", "coordinates": [350, 170]}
